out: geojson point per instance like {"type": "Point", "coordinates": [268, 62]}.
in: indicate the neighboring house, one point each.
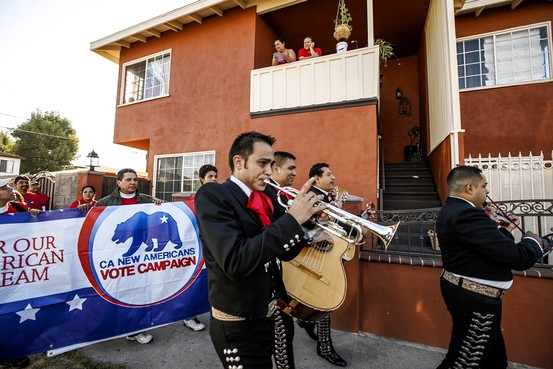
{"type": "Point", "coordinates": [9, 165]}
{"type": "Point", "coordinates": [476, 76]}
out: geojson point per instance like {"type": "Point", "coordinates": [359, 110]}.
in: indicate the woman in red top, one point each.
{"type": "Point", "coordinates": [309, 50]}
{"type": "Point", "coordinates": [88, 192]}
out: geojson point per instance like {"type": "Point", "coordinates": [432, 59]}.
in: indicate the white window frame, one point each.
{"type": "Point", "coordinates": [146, 92]}
{"type": "Point", "coordinates": [9, 164]}
{"type": "Point", "coordinates": [492, 68]}
{"type": "Point", "coordinates": [188, 171]}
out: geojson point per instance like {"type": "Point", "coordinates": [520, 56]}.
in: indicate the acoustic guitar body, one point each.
{"type": "Point", "coordinates": [316, 277]}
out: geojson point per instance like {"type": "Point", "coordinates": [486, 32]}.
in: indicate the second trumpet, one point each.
{"type": "Point", "coordinates": [344, 220]}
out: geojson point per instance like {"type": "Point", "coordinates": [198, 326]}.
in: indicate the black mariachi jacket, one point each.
{"type": "Point", "coordinates": [239, 251]}
{"type": "Point", "coordinates": [473, 246]}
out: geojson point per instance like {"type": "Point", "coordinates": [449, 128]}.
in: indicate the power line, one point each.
{"type": "Point", "coordinates": [36, 133]}
{"type": "Point", "coordinates": [13, 116]}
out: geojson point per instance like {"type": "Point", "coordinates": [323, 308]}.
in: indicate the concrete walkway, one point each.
{"type": "Point", "coordinates": [175, 346]}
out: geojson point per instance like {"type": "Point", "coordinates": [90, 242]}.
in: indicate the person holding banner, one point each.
{"type": "Point", "coordinates": [31, 199]}
{"type": "Point", "coordinates": [7, 203]}
{"type": "Point", "coordinates": [242, 239]}
{"type": "Point", "coordinates": [8, 206]}
{"type": "Point", "coordinates": [88, 192]}
{"type": "Point", "coordinates": [127, 193]}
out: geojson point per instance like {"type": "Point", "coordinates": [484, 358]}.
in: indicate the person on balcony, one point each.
{"type": "Point", "coordinates": [282, 54]}
{"type": "Point", "coordinates": [477, 256]}
{"type": "Point", "coordinates": [309, 50]}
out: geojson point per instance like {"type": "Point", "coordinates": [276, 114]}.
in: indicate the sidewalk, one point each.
{"type": "Point", "coordinates": [175, 346]}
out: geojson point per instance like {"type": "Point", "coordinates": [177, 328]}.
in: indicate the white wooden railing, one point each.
{"type": "Point", "coordinates": [516, 177]}
{"type": "Point", "coordinates": [327, 79]}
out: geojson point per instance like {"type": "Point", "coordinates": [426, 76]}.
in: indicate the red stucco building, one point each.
{"type": "Point", "coordinates": [475, 77]}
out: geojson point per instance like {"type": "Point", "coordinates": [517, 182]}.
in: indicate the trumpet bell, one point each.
{"type": "Point", "coordinates": [344, 219]}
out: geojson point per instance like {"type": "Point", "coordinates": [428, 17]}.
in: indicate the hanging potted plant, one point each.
{"type": "Point", "coordinates": [386, 51]}
{"type": "Point", "coordinates": [342, 29]}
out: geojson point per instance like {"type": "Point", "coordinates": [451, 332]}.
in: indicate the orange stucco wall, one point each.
{"type": "Point", "coordinates": [394, 129]}
{"type": "Point", "coordinates": [507, 119]}
{"type": "Point", "coordinates": [209, 105]}
{"type": "Point", "coordinates": [404, 302]}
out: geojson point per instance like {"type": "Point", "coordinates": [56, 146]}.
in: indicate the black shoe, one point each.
{"type": "Point", "coordinates": [22, 362]}
{"type": "Point", "coordinates": [309, 328]}
{"type": "Point", "coordinates": [332, 357]}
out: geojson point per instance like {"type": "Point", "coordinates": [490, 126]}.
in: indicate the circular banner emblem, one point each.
{"type": "Point", "coordinates": [140, 255]}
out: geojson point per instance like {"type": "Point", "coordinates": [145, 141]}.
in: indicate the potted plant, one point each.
{"type": "Point", "coordinates": [386, 51]}
{"type": "Point", "coordinates": [342, 29]}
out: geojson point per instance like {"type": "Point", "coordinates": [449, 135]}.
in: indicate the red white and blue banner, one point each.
{"type": "Point", "coordinates": [68, 279]}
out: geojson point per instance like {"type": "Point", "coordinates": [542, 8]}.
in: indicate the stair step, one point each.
{"type": "Point", "coordinates": [416, 187]}
{"type": "Point", "coordinates": [417, 164]}
{"type": "Point", "coordinates": [396, 195]}
{"type": "Point", "coordinates": [404, 204]}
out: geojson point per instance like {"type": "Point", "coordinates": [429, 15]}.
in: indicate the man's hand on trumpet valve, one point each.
{"type": "Point", "coordinates": [306, 204]}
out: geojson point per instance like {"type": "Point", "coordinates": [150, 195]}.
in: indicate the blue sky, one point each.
{"type": "Point", "coordinates": [46, 64]}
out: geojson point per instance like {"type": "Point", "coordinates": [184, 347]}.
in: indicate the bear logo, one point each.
{"type": "Point", "coordinates": [144, 229]}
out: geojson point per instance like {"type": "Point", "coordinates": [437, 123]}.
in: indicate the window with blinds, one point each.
{"type": "Point", "coordinates": [505, 58]}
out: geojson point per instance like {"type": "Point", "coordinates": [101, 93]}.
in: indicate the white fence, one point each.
{"type": "Point", "coordinates": [516, 177]}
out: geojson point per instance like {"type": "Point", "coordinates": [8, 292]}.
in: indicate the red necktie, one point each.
{"type": "Point", "coordinates": [262, 205]}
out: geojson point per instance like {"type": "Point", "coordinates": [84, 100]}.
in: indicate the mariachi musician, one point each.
{"type": "Point", "coordinates": [477, 256]}
{"type": "Point", "coordinates": [324, 185]}
{"type": "Point", "coordinates": [241, 239]}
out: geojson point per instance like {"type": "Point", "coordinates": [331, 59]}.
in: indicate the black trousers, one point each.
{"type": "Point", "coordinates": [284, 336]}
{"type": "Point", "coordinates": [476, 338]}
{"type": "Point", "coordinates": [247, 343]}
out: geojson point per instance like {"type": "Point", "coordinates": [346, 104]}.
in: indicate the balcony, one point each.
{"type": "Point", "coordinates": [330, 79]}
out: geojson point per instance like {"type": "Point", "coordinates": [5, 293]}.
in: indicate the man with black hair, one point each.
{"type": "Point", "coordinates": [126, 193]}
{"type": "Point", "coordinates": [22, 186]}
{"type": "Point", "coordinates": [477, 257]}
{"type": "Point", "coordinates": [324, 186]}
{"type": "Point", "coordinates": [242, 239]}
{"type": "Point", "coordinates": [207, 173]}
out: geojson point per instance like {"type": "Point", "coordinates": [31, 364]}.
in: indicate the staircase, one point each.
{"type": "Point", "coordinates": [409, 186]}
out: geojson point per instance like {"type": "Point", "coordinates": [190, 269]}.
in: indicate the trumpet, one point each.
{"type": "Point", "coordinates": [340, 220]}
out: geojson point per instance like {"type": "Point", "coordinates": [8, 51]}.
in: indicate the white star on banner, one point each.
{"type": "Point", "coordinates": [164, 219]}
{"type": "Point", "coordinates": [27, 314]}
{"type": "Point", "coordinates": [76, 303]}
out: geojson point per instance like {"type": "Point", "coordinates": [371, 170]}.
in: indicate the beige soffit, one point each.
{"type": "Point", "coordinates": [478, 6]}
{"type": "Point", "coordinates": [110, 46]}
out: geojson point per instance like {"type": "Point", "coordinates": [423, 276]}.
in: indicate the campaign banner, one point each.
{"type": "Point", "coordinates": [69, 278]}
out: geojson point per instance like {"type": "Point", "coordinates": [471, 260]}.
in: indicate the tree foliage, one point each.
{"type": "Point", "coordinates": [47, 141]}
{"type": "Point", "coordinates": [6, 143]}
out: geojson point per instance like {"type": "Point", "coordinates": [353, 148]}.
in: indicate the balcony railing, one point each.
{"type": "Point", "coordinates": [327, 79]}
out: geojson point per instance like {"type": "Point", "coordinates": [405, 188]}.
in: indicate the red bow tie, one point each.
{"type": "Point", "coordinates": [262, 205]}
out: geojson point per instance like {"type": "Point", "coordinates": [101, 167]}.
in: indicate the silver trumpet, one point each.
{"type": "Point", "coordinates": [340, 220]}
